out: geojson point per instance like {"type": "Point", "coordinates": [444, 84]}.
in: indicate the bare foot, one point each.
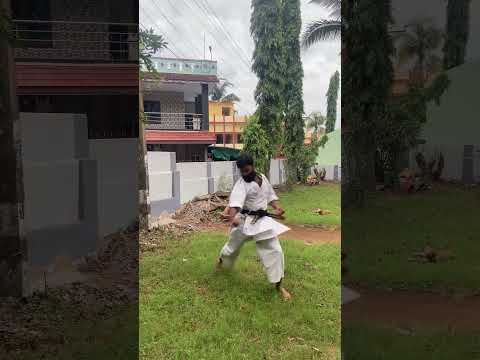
{"type": "Point", "coordinates": [285, 294]}
{"type": "Point", "coordinates": [219, 266]}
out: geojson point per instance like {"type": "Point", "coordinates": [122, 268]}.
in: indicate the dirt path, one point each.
{"type": "Point", "coordinates": [309, 235]}
{"type": "Point", "coordinates": [409, 310]}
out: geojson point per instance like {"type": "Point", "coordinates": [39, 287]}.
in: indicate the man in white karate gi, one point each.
{"type": "Point", "coordinates": [249, 220]}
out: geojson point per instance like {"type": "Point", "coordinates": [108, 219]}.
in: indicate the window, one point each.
{"type": "Point", "coordinates": [225, 111]}
{"type": "Point", "coordinates": [219, 139]}
{"type": "Point", "coordinates": [151, 106]}
{"type": "Point", "coordinates": [33, 34]}
{"type": "Point", "coordinates": [239, 139]}
{"type": "Point", "coordinates": [228, 139]}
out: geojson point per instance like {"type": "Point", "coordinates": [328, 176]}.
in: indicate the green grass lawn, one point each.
{"type": "Point", "coordinates": [302, 200]}
{"type": "Point", "coordinates": [115, 338]}
{"type": "Point", "coordinates": [367, 343]}
{"type": "Point", "coordinates": [447, 218]}
{"type": "Point", "coordinates": [188, 311]}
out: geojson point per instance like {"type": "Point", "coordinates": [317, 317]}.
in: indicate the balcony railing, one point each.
{"type": "Point", "coordinates": [38, 40]}
{"type": "Point", "coordinates": [173, 121]}
{"type": "Point", "coordinates": [185, 66]}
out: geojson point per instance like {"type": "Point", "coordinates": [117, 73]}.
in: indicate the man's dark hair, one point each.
{"type": "Point", "coordinates": [244, 159]}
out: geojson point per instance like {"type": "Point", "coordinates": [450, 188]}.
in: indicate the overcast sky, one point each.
{"type": "Point", "coordinates": [187, 24]}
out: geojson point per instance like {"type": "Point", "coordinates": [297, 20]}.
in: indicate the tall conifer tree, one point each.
{"type": "Point", "coordinates": [294, 133]}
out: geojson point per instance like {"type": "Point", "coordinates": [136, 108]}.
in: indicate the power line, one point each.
{"type": "Point", "coordinates": [208, 25]}
{"type": "Point", "coordinates": [174, 26]}
{"type": "Point", "coordinates": [153, 22]}
{"type": "Point", "coordinates": [211, 22]}
{"type": "Point", "coordinates": [166, 46]}
{"type": "Point", "coordinates": [219, 20]}
{"type": "Point", "coordinates": [187, 5]}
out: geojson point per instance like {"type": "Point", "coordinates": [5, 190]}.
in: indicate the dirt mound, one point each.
{"type": "Point", "coordinates": [200, 213]}
{"type": "Point", "coordinates": [202, 209]}
{"type": "Point", "coordinates": [119, 251]}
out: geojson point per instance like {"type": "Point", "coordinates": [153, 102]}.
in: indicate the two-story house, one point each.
{"type": "Point", "coordinates": [177, 109]}
{"type": "Point", "coordinates": [76, 73]}
{"type": "Point", "coordinates": [226, 124]}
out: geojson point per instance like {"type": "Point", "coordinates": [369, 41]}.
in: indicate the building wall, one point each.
{"type": "Point", "coordinates": [170, 103]}
{"type": "Point", "coordinates": [117, 169]}
{"type": "Point", "coordinates": [226, 125]}
{"type": "Point", "coordinates": [81, 41]}
{"type": "Point", "coordinates": [193, 180]}
{"type": "Point", "coordinates": [185, 152]}
{"type": "Point", "coordinates": [224, 174]}
{"type": "Point", "coordinates": [76, 190]}
{"type": "Point", "coordinates": [456, 113]}
{"type": "Point", "coordinates": [215, 108]}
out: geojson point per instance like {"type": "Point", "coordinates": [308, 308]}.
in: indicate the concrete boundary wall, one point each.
{"type": "Point", "coordinates": [77, 190]}
{"type": "Point", "coordinates": [117, 182]}
{"type": "Point", "coordinates": [164, 182]}
{"type": "Point", "coordinates": [172, 184]}
{"type": "Point", "coordinates": [462, 161]}
{"type": "Point", "coordinates": [194, 179]}
{"type": "Point", "coordinates": [332, 172]}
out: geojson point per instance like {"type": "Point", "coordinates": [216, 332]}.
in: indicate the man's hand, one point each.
{"type": "Point", "coordinates": [235, 222]}
{"type": "Point", "coordinates": [277, 209]}
{"type": "Point", "coordinates": [229, 215]}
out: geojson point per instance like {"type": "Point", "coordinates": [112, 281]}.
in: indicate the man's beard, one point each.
{"type": "Point", "coordinates": [250, 177]}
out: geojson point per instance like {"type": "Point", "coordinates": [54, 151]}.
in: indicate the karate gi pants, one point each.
{"type": "Point", "coordinates": [269, 251]}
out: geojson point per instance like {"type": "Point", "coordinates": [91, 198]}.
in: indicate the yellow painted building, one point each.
{"type": "Point", "coordinates": [226, 124]}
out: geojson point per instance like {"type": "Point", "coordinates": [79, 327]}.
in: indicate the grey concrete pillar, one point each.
{"type": "Point", "coordinates": [204, 98]}
{"type": "Point", "coordinates": [211, 182]}
{"type": "Point", "coordinates": [236, 174]}
{"type": "Point", "coordinates": [173, 203]}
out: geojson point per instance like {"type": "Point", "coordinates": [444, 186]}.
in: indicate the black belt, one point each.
{"type": "Point", "coordinates": [257, 214]}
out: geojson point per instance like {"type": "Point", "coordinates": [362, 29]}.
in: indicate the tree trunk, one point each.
{"type": "Point", "coordinates": [142, 164]}
{"type": "Point", "coordinates": [12, 247]}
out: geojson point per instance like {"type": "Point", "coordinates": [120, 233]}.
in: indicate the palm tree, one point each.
{"type": "Point", "coordinates": [315, 122]}
{"type": "Point", "coordinates": [420, 45]}
{"type": "Point", "coordinates": [324, 29]}
{"type": "Point", "coordinates": [219, 92]}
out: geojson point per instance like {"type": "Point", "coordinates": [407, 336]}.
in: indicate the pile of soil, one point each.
{"type": "Point", "coordinates": [202, 209]}
{"type": "Point", "coordinates": [200, 213]}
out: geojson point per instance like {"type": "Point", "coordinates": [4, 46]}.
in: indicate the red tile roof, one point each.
{"type": "Point", "coordinates": [179, 137]}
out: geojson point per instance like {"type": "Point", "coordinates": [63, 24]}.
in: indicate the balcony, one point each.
{"type": "Point", "coordinates": [174, 121]}
{"type": "Point", "coordinates": [185, 66]}
{"type": "Point", "coordinates": [73, 41]}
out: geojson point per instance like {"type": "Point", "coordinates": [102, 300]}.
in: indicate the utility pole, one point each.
{"type": "Point", "coordinates": [12, 240]}
{"type": "Point", "coordinates": [204, 47]}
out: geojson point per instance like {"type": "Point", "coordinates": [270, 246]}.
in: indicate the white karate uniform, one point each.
{"type": "Point", "coordinates": [264, 231]}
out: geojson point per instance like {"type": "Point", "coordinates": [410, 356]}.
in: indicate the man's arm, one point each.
{"type": "Point", "coordinates": [273, 199]}
{"type": "Point", "coordinates": [276, 206]}
{"type": "Point", "coordinates": [231, 216]}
